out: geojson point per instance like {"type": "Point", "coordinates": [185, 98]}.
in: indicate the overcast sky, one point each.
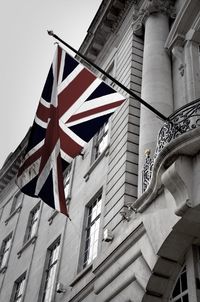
{"type": "Point", "coordinates": [26, 53]}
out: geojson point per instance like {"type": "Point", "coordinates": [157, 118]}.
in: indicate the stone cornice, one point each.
{"type": "Point", "coordinates": [107, 20]}
{"type": "Point", "coordinates": [12, 163]}
{"type": "Point", "coordinates": [151, 7]}
{"type": "Point", "coordinates": [183, 24]}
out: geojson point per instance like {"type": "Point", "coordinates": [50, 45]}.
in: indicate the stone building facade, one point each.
{"type": "Point", "coordinates": [133, 194]}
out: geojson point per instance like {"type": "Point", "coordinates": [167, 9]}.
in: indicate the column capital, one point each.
{"type": "Point", "coordinates": [151, 7]}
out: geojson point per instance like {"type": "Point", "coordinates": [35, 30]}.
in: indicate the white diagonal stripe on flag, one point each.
{"type": "Point", "coordinates": [33, 150]}
{"type": "Point", "coordinates": [98, 102]}
{"type": "Point", "coordinates": [41, 123]}
{"type": "Point", "coordinates": [65, 156]}
{"type": "Point", "coordinates": [62, 65]}
{"type": "Point", "coordinates": [55, 176]}
{"type": "Point", "coordinates": [48, 166]}
{"type": "Point", "coordinates": [70, 78]}
{"type": "Point", "coordinates": [71, 134]}
{"type": "Point", "coordinates": [45, 103]}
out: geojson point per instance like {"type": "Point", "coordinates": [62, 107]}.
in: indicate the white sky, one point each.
{"type": "Point", "coordinates": [26, 53]}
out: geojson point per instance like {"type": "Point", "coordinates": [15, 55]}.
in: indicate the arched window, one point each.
{"type": "Point", "coordinates": [180, 291]}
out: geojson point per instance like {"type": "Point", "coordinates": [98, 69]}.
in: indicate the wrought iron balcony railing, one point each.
{"type": "Point", "coordinates": [181, 121]}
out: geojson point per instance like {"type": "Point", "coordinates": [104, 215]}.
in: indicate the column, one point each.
{"type": "Point", "coordinates": [156, 76]}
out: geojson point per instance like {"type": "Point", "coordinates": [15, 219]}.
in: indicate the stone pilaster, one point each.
{"type": "Point", "coordinates": [156, 77]}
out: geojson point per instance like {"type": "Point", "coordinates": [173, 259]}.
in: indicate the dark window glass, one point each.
{"type": "Point", "coordinates": [185, 298]}
{"type": "Point", "coordinates": [180, 291]}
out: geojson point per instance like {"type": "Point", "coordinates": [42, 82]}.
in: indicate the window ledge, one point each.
{"type": "Point", "coordinates": [52, 216]}
{"type": "Point", "coordinates": [81, 274]}
{"type": "Point", "coordinates": [3, 269]}
{"type": "Point", "coordinates": [29, 242]}
{"type": "Point", "coordinates": [96, 162]}
{"type": "Point", "coordinates": [17, 210]}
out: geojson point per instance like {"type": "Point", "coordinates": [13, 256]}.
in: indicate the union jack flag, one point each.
{"type": "Point", "coordinates": [73, 106]}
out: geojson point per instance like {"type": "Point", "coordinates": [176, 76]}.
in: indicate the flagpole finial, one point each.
{"type": "Point", "coordinates": [50, 32]}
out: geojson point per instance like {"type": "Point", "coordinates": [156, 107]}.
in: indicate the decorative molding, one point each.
{"type": "Point", "coordinates": [151, 7]}
{"type": "Point", "coordinates": [10, 168]}
{"type": "Point", "coordinates": [184, 28]}
{"type": "Point", "coordinates": [82, 274]}
{"type": "Point", "coordinates": [107, 21]}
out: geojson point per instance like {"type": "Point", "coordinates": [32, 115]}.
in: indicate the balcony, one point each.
{"type": "Point", "coordinates": [183, 120]}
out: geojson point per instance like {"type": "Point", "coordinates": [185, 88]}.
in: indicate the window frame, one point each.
{"type": "Point", "coordinates": [83, 262]}
{"type": "Point", "coordinates": [46, 271]}
{"type": "Point", "coordinates": [179, 281]}
{"type": "Point", "coordinates": [28, 236]}
{"type": "Point", "coordinates": [16, 203]}
{"type": "Point", "coordinates": [67, 182]}
{"type": "Point", "coordinates": [14, 290]}
{"type": "Point", "coordinates": [191, 264]}
{"type": "Point", "coordinates": [2, 252]}
{"type": "Point", "coordinates": [98, 139]}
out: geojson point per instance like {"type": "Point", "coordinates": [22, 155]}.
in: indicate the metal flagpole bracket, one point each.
{"type": "Point", "coordinates": [50, 32]}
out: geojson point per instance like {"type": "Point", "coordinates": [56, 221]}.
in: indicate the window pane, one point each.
{"type": "Point", "coordinates": [32, 223]}
{"type": "Point", "coordinates": [4, 259]}
{"type": "Point", "coordinates": [53, 254]}
{"type": "Point", "coordinates": [180, 291]}
{"type": "Point", "coordinates": [16, 201]}
{"type": "Point", "coordinates": [103, 144]}
{"type": "Point", "coordinates": [5, 251]}
{"type": "Point", "coordinates": [92, 231]}
{"type": "Point", "coordinates": [184, 282]}
{"type": "Point", "coordinates": [19, 289]}
{"type": "Point", "coordinates": [185, 298]}
{"type": "Point", "coordinates": [177, 289]}
{"type": "Point", "coordinates": [100, 141]}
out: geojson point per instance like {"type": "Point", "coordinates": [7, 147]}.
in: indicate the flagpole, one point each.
{"type": "Point", "coordinates": [131, 93]}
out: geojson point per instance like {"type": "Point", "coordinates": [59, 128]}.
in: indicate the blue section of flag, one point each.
{"type": "Point", "coordinates": [47, 90]}
{"type": "Point", "coordinates": [69, 66]}
{"type": "Point", "coordinates": [102, 89]}
{"type": "Point", "coordinates": [88, 129]}
{"type": "Point", "coordinates": [36, 136]}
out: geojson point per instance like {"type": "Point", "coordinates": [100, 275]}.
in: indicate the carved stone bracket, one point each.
{"type": "Point", "coordinates": [177, 179]}
{"type": "Point", "coordinates": [151, 7]}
